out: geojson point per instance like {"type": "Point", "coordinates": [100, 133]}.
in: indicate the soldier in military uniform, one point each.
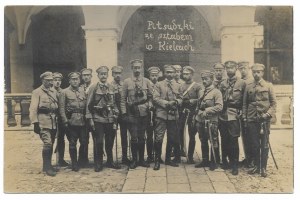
{"type": "Point", "coordinates": [153, 76]}
{"type": "Point", "coordinates": [86, 76]}
{"type": "Point", "coordinates": [248, 162]}
{"type": "Point", "coordinates": [117, 84]}
{"type": "Point", "coordinates": [167, 99]}
{"type": "Point", "coordinates": [102, 113]}
{"type": "Point", "coordinates": [219, 72]}
{"type": "Point", "coordinates": [232, 90]}
{"type": "Point", "coordinates": [135, 98]}
{"type": "Point", "coordinates": [57, 78]}
{"type": "Point", "coordinates": [190, 91]}
{"type": "Point", "coordinates": [43, 115]}
{"type": "Point", "coordinates": [209, 106]}
{"type": "Point", "coordinates": [72, 103]}
{"type": "Point", "coordinates": [259, 106]}
{"type": "Point", "coordinates": [177, 74]}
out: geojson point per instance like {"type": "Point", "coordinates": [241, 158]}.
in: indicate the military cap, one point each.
{"type": "Point", "coordinates": [169, 68]}
{"type": "Point", "coordinates": [136, 61]}
{"type": "Point", "coordinates": [189, 69]}
{"type": "Point", "coordinates": [258, 67]}
{"type": "Point", "coordinates": [73, 75]}
{"type": "Point", "coordinates": [57, 75]}
{"type": "Point", "coordinates": [47, 75]}
{"type": "Point", "coordinates": [86, 71]}
{"type": "Point", "coordinates": [102, 69]}
{"type": "Point", "coordinates": [177, 67]}
{"type": "Point", "coordinates": [243, 64]}
{"type": "Point", "coordinates": [218, 66]}
{"type": "Point", "coordinates": [153, 70]}
{"type": "Point", "coordinates": [206, 73]}
{"type": "Point", "coordinates": [117, 69]}
{"type": "Point", "coordinates": [230, 63]}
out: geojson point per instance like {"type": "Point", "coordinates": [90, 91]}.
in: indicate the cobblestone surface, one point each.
{"type": "Point", "coordinates": [23, 164]}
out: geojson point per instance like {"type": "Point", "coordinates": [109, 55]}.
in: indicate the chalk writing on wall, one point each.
{"type": "Point", "coordinates": [171, 36]}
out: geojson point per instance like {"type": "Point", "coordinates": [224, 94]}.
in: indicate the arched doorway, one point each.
{"type": "Point", "coordinates": [168, 35]}
{"type": "Point", "coordinates": [58, 41]}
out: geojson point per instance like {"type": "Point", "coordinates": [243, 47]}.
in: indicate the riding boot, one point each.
{"type": "Point", "coordinates": [191, 152]}
{"type": "Point", "coordinates": [177, 158]}
{"type": "Point", "coordinates": [158, 147]}
{"type": "Point", "coordinates": [47, 162]}
{"type": "Point", "coordinates": [133, 163]}
{"type": "Point", "coordinates": [168, 160]}
{"type": "Point", "coordinates": [73, 155]}
{"type": "Point", "coordinates": [142, 162]}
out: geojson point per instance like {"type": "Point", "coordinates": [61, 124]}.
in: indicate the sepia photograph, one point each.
{"type": "Point", "coordinates": [139, 99]}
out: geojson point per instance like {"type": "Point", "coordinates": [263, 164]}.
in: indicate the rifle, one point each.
{"type": "Point", "coordinates": [266, 133]}
{"type": "Point", "coordinates": [207, 125]}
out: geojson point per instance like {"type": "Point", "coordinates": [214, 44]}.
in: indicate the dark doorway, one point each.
{"type": "Point", "coordinates": [58, 41]}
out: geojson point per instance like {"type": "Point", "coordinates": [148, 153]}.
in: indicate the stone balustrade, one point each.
{"type": "Point", "coordinates": [17, 109]}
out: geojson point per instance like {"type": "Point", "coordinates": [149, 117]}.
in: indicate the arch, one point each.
{"type": "Point", "coordinates": [210, 13]}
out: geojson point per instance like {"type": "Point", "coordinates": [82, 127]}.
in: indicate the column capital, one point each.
{"type": "Point", "coordinates": [97, 32]}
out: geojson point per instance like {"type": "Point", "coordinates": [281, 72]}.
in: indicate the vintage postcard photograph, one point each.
{"type": "Point", "coordinates": [161, 99]}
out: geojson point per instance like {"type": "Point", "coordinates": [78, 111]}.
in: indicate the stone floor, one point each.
{"type": "Point", "coordinates": [22, 172]}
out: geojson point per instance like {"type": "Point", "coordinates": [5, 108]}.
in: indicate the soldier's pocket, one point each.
{"type": "Point", "coordinates": [237, 93]}
{"type": "Point", "coordinates": [262, 94]}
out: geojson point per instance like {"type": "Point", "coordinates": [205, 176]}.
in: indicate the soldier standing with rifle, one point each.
{"type": "Point", "coordinates": [209, 105]}
{"type": "Point", "coordinates": [43, 115]}
{"type": "Point", "coordinates": [232, 90]}
{"type": "Point", "coordinates": [190, 91]}
{"type": "Point", "coordinates": [72, 103]}
{"type": "Point", "coordinates": [248, 162]}
{"type": "Point", "coordinates": [167, 98]}
{"type": "Point", "coordinates": [135, 98]}
{"type": "Point", "coordinates": [86, 76]}
{"type": "Point", "coordinates": [60, 147]}
{"type": "Point", "coordinates": [117, 84]}
{"type": "Point", "coordinates": [259, 105]}
{"type": "Point", "coordinates": [153, 76]}
{"type": "Point", "coordinates": [102, 113]}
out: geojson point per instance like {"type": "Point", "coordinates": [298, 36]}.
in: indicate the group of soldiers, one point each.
{"type": "Point", "coordinates": [147, 108]}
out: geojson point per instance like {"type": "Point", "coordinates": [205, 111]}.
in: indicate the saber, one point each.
{"type": "Point", "coordinates": [207, 127]}
{"type": "Point", "coordinates": [264, 125]}
{"type": "Point", "coordinates": [185, 132]}
{"type": "Point", "coordinates": [242, 136]}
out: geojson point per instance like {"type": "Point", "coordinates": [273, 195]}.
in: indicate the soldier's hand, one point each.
{"type": "Point", "coordinates": [172, 103]}
{"type": "Point", "coordinates": [36, 128]}
{"type": "Point", "coordinates": [92, 125]}
{"type": "Point", "coordinates": [204, 114]}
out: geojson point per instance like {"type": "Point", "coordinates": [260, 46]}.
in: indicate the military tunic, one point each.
{"type": "Point", "coordinates": [43, 109]}
{"type": "Point", "coordinates": [72, 104]}
{"type": "Point", "coordinates": [229, 125]}
{"type": "Point", "coordinates": [190, 94]}
{"type": "Point", "coordinates": [167, 118]}
{"type": "Point", "coordinates": [259, 98]}
{"type": "Point", "coordinates": [135, 103]}
{"type": "Point", "coordinates": [102, 109]}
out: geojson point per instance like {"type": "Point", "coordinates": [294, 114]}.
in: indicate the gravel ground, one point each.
{"type": "Point", "coordinates": [23, 164]}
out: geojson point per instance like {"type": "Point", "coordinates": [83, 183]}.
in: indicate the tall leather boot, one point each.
{"type": "Point", "coordinates": [168, 160]}
{"type": "Point", "coordinates": [125, 160]}
{"type": "Point", "coordinates": [141, 150]}
{"type": "Point", "coordinates": [47, 162]}
{"type": "Point", "coordinates": [157, 148]}
{"type": "Point", "coordinates": [191, 152]}
{"type": "Point", "coordinates": [61, 154]}
{"type": "Point", "coordinates": [177, 152]}
{"type": "Point", "coordinates": [98, 157]}
{"type": "Point", "coordinates": [83, 155]}
{"type": "Point", "coordinates": [150, 151]}
{"type": "Point", "coordinates": [235, 156]}
{"type": "Point", "coordinates": [133, 163]}
{"type": "Point", "coordinates": [205, 155]}
{"type": "Point", "coordinates": [73, 155]}
{"type": "Point", "coordinates": [264, 161]}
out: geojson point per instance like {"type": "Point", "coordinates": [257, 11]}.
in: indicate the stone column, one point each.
{"type": "Point", "coordinates": [101, 49]}
{"type": "Point", "coordinates": [239, 34]}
